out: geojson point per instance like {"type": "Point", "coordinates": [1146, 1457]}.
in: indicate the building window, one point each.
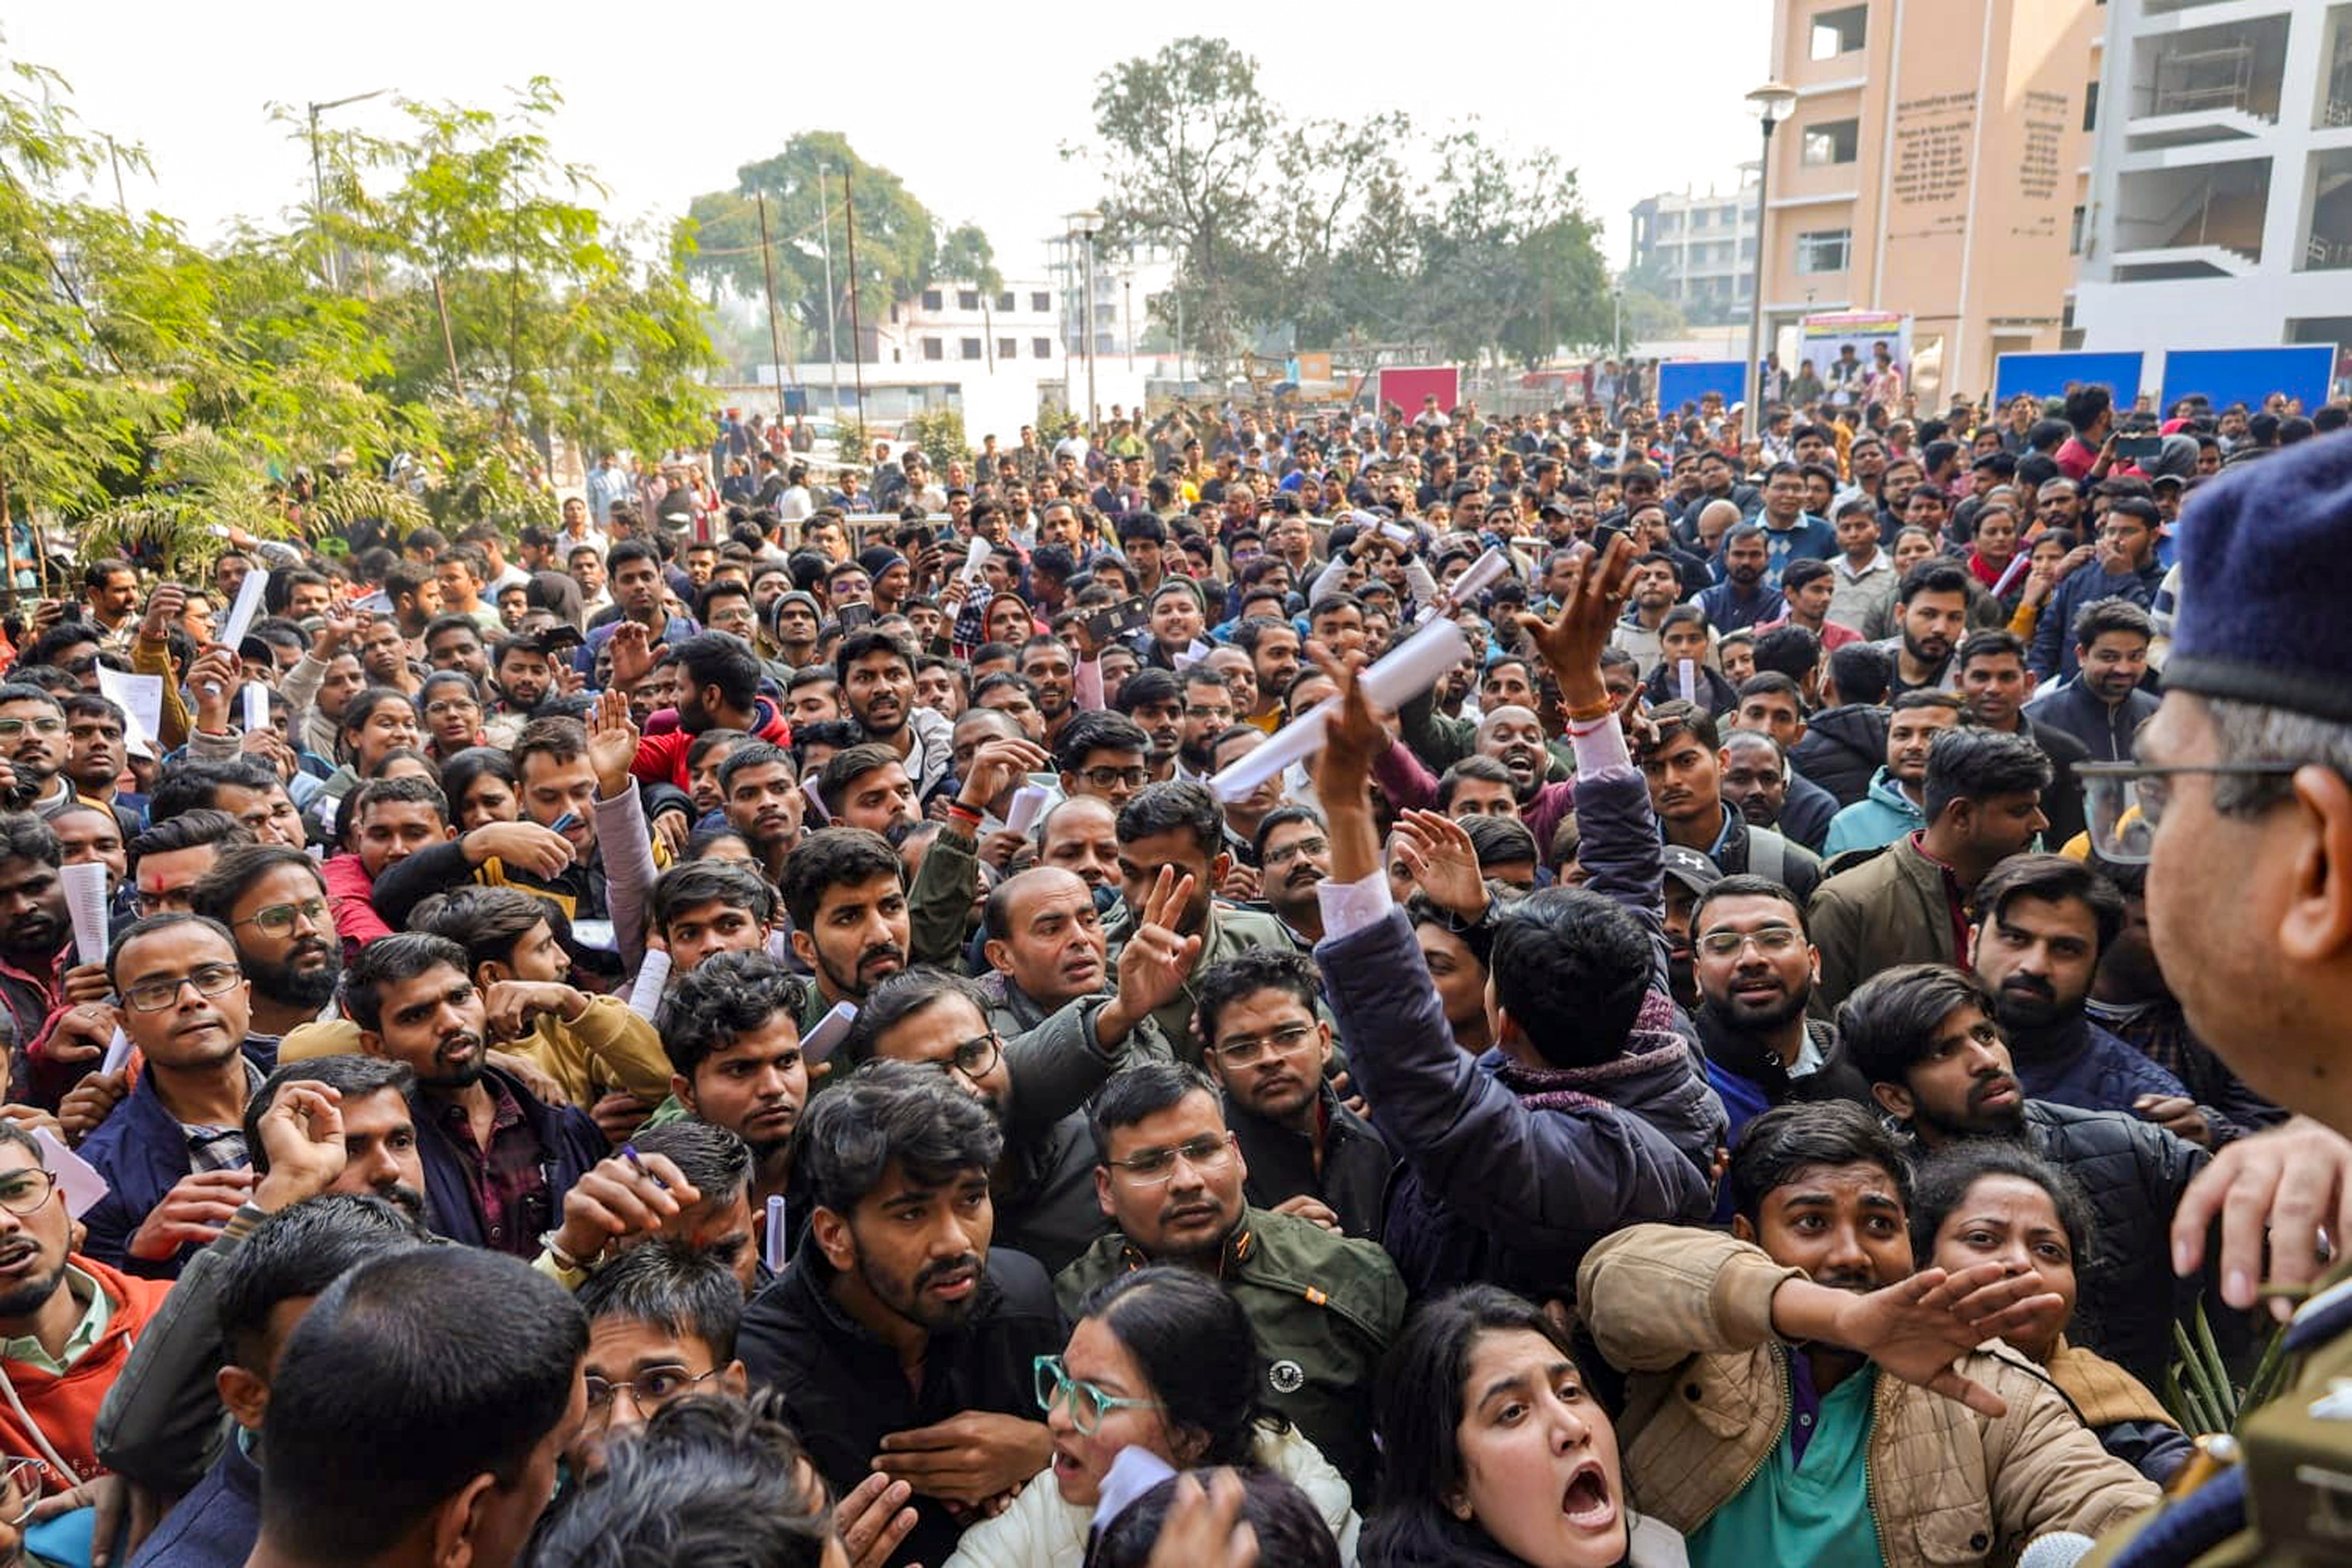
{"type": "Point", "coordinates": [2091, 106]}
{"type": "Point", "coordinates": [930, 299]}
{"type": "Point", "coordinates": [1105, 315]}
{"type": "Point", "coordinates": [1839, 32]}
{"type": "Point", "coordinates": [1105, 344]}
{"type": "Point", "coordinates": [1747, 248]}
{"type": "Point", "coordinates": [1698, 217]}
{"type": "Point", "coordinates": [1669, 222]}
{"type": "Point", "coordinates": [934, 349]}
{"type": "Point", "coordinates": [1008, 348]}
{"type": "Point", "coordinates": [1004, 301]}
{"type": "Point", "coordinates": [1831, 141]}
{"type": "Point", "coordinates": [1038, 302]}
{"type": "Point", "coordinates": [2074, 234]}
{"type": "Point", "coordinates": [1041, 348]}
{"type": "Point", "coordinates": [972, 348]}
{"type": "Point", "coordinates": [1824, 251]}
{"type": "Point", "coordinates": [966, 299]}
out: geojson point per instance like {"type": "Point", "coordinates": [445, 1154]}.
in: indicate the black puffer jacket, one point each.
{"type": "Point", "coordinates": [1842, 748]}
{"type": "Point", "coordinates": [2133, 1174]}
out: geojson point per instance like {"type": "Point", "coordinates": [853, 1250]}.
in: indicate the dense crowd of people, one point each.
{"type": "Point", "coordinates": [774, 1021]}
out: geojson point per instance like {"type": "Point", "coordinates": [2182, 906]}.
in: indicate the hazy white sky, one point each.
{"type": "Point", "coordinates": [968, 104]}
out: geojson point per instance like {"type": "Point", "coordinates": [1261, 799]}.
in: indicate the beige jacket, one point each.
{"type": "Point", "coordinates": [1689, 1313]}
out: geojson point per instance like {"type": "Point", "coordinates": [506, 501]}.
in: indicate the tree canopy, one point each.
{"type": "Point", "coordinates": [416, 347]}
{"type": "Point", "coordinates": [1365, 228]}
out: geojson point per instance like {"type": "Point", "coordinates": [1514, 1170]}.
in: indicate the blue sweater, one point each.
{"type": "Point", "coordinates": [215, 1525]}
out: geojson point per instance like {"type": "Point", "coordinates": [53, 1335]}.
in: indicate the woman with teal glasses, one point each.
{"type": "Point", "coordinates": [1164, 1361]}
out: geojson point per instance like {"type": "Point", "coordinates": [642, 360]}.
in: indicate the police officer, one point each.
{"type": "Point", "coordinates": [2240, 800]}
{"type": "Point", "coordinates": [1169, 1172]}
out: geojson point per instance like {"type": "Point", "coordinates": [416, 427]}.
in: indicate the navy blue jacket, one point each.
{"type": "Point", "coordinates": [1491, 1188]}
{"type": "Point", "coordinates": [2105, 733]}
{"type": "Point", "coordinates": [568, 1145]}
{"type": "Point", "coordinates": [215, 1525]}
{"type": "Point", "coordinates": [2082, 1065]}
{"type": "Point", "coordinates": [143, 1155]}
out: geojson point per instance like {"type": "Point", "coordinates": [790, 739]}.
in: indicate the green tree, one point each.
{"type": "Point", "coordinates": [898, 237]}
{"type": "Point", "coordinates": [1188, 141]}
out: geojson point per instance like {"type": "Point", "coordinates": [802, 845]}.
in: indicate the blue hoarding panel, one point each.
{"type": "Point", "coordinates": [1690, 380]}
{"type": "Point", "coordinates": [2051, 374]}
{"type": "Point", "coordinates": [2249, 375]}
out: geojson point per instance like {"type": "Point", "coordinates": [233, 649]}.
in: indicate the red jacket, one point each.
{"type": "Point", "coordinates": [661, 759]}
{"type": "Point", "coordinates": [348, 890]}
{"type": "Point", "coordinates": [66, 1408]}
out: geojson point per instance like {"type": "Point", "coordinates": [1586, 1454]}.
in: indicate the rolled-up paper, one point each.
{"type": "Point", "coordinates": [248, 605]}
{"type": "Point", "coordinates": [118, 1052]}
{"type": "Point", "coordinates": [1028, 806]}
{"type": "Point", "coordinates": [652, 978]}
{"type": "Point", "coordinates": [816, 800]}
{"type": "Point", "coordinates": [831, 1030]}
{"type": "Point", "coordinates": [1399, 534]}
{"type": "Point", "coordinates": [775, 1235]}
{"type": "Point", "coordinates": [85, 885]}
{"type": "Point", "coordinates": [2012, 573]}
{"type": "Point", "coordinates": [976, 558]}
{"type": "Point", "coordinates": [1484, 573]}
{"type": "Point", "coordinates": [257, 706]}
{"type": "Point", "coordinates": [1686, 679]}
{"type": "Point", "coordinates": [1405, 673]}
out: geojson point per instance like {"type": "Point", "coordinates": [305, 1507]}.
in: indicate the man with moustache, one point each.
{"type": "Point", "coordinates": [759, 790]}
{"type": "Point", "coordinates": [1293, 850]}
{"type": "Point", "coordinates": [877, 673]}
{"type": "Point", "coordinates": [1932, 610]}
{"type": "Point", "coordinates": [899, 1336]}
{"type": "Point", "coordinates": [173, 1152]}
{"type": "Point", "coordinates": [1512, 736]}
{"type": "Point", "coordinates": [274, 902]}
{"type": "Point", "coordinates": [1746, 596]}
{"type": "Point", "coordinates": [1756, 968]}
{"type": "Point", "coordinates": [732, 1029]}
{"type": "Point", "coordinates": [35, 931]}
{"type": "Point", "coordinates": [496, 1161]}
{"type": "Point", "coordinates": [2042, 922]}
{"type": "Point", "coordinates": [846, 893]}
{"type": "Point", "coordinates": [2103, 707]}
{"type": "Point", "coordinates": [1306, 1153]}
{"type": "Point", "coordinates": [1047, 949]}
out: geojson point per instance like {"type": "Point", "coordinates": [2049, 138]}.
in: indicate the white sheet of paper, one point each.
{"type": "Point", "coordinates": [247, 609]}
{"type": "Point", "coordinates": [118, 1053]}
{"type": "Point", "coordinates": [85, 886]}
{"type": "Point", "coordinates": [975, 558]}
{"type": "Point", "coordinates": [1686, 678]}
{"type": "Point", "coordinates": [141, 697]}
{"type": "Point", "coordinates": [653, 979]}
{"type": "Point", "coordinates": [77, 1177]}
{"type": "Point", "coordinates": [257, 706]}
{"type": "Point", "coordinates": [1134, 1472]}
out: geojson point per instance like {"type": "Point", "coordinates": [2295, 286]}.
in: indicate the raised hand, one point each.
{"type": "Point", "coordinates": [1155, 961]}
{"type": "Point", "coordinates": [1354, 736]}
{"type": "Point", "coordinates": [996, 766]}
{"type": "Point", "coordinates": [632, 653]}
{"type": "Point", "coordinates": [302, 1131]}
{"type": "Point", "coordinates": [88, 1103]}
{"type": "Point", "coordinates": [193, 1211]}
{"type": "Point", "coordinates": [612, 739]}
{"type": "Point", "coordinates": [1917, 1327]}
{"type": "Point", "coordinates": [620, 1197]}
{"type": "Point", "coordinates": [540, 851]}
{"type": "Point", "coordinates": [1437, 850]}
{"type": "Point", "coordinates": [164, 607]}
{"type": "Point", "coordinates": [1589, 603]}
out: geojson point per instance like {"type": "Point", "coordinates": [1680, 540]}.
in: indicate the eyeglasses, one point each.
{"type": "Point", "coordinates": [975, 1057]}
{"type": "Point", "coordinates": [209, 979]}
{"type": "Point", "coordinates": [24, 1191]}
{"type": "Point", "coordinates": [1111, 778]}
{"type": "Point", "coordinates": [278, 919]}
{"type": "Point", "coordinates": [12, 728]}
{"type": "Point", "coordinates": [655, 1386]}
{"type": "Point", "coordinates": [1770, 941]}
{"type": "Point", "coordinates": [1088, 1405]}
{"type": "Point", "coordinates": [1249, 1048]}
{"type": "Point", "coordinates": [2124, 802]}
{"type": "Point", "coordinates": [1153, 1167]}
{"type": "Point", "coordinates": [1292, 851]}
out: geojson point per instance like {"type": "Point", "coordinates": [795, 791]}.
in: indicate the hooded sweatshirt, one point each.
{"type": "Point", "coordinates": [65, 1408]}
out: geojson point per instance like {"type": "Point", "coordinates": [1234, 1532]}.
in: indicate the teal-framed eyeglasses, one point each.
{"type": "Point", "coordinates": [1088, 1405]}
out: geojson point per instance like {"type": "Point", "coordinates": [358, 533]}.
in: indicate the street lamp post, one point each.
{"type": "Point", "coordinates": [318, 176]}
{"type": "Point", "coordinates": [1086, 224]}
{"type": "Point", "coordinates": [1770, 103]}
